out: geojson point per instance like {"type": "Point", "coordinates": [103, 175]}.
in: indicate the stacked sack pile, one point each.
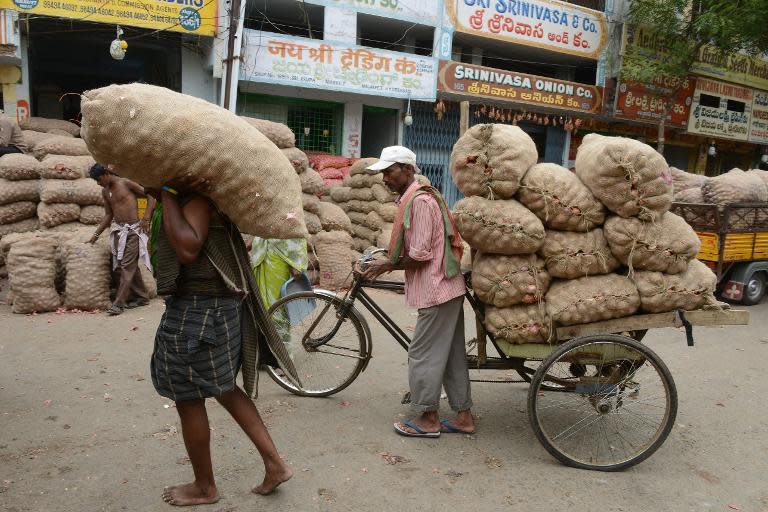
{"type": "Point", "coordinates": [333, 169]}
{"type": "Point", "coordinates": [550, 243]}
{"type": "Point", "coordinates": [735, 186]}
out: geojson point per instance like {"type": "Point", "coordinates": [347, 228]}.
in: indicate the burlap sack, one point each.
{"type": "Point", "coordinates": [361, 194]}
{"type": "Point", "coordinates": [88, 275]}
{"type": "Point", "coordinates": [16, 166]}
{"type": "Point", "coordinates": [360, 244]}
{"type": "Point", "coordinates": [569, 255]}
{"type": "Point", "coordinates": [93, 214]}
{"type": "Point", "coordinates": [382, 240]}
{"type": "Point", "coordinates": [344, 205]}
{"type": "Point", "coordinates": [363, 180]}
{"type": "Point", "coordinates": [72, 227]}
{"type": "Point", "coordinates": [61, 133]}
{"type": "Point", "coordinates": [333, 249]}
{"type": "Point", "coordinates": [498, 227]}
{"type": "Point", "coordinates": [4, 273]}
{"type": "Point", "coordinates": [63, 167]}
{"type": "Point", "coordinates": [763, 175]}
{"type": "Point", "coordinates": [591, 299]}
{"type": "Point", "coordinates": [682, 180]}
{"type": "Point", "coordinates": [630, 178]}
{"type": "Point", "coordinates": [559, 198]}
{"type": "Point", "coordinates": [15, 191]}
{"type": "Point", "coordinates": [366, 207]}
{"type": "Point", "coordinates": [21, 226]}
{"type": "Point", "coordinates": [341, 194]}
{"type": "Point", "coordinates": [33, 138]}
{"type": "Point", "coordinates": [691, 195]}
{"type": "Point", "coordinates": [508, 280]}
{"type": "Point", "coordinates": [313, 223]}
{"type": "Point", "coordinates": [333, 218]}
{"type": "Point", "coordinates": [280, 135]}
{"type": "Point", "coordinates": [311, 182]}
{"type": "Point", "coordinates": [688, 290]}
{"type": "Point", "coordinates": [51, 215]}
{"type": "Point", "coordinates": [14, 212]}
{"type": "Point", "coordinates": [60, 146]}
{"type": "Point", "coordinates": [387, 211]}
{"type": "Point", "coordinates": [149, 281]}
{"type": "Point", "coordinates": [42, 124]}
{"type": "Point", "coordinates": [360, 165]}
{"type": "Point", "coordinates": [357, 217]}
{"type": "Point", "coordinates": [489, 160]}
{"type": "Point", "coordinates": [735, 186]}
{"type": "Point", "coordinates": [374, 221]}
{"type": "Point", "coordinates": [364, 232]}
{"type": "Point", "coordinates": [251, 180]}
{"type": "Point", "coordinates": [83, 191]}
{"type": "Point", "coordinates": [666, 245]}
{"type": "Point", "coordinates": [518, 324]}
{"type": "Point", "coordinates": [297, 158]}
{"type": "Point", "coordinates": [310, 203]}
{"type": "Point", "coordinates": [382, 194]}
{"type": "Point", "coordinates": [32, 271]}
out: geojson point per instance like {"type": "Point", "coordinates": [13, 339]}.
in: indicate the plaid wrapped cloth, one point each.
{"type": "Point", "coordinates": [197, 347]}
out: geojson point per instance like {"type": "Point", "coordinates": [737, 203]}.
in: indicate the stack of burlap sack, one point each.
{"type": "Point", "coordinates": [558, 248]}
{"type": "Point", "coordinates": [735, 186]}
{"type": "Point", "coordinates": [19, 193]}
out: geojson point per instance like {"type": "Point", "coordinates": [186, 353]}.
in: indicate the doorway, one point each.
{"type": "Point", "coordinates": [379, 130]}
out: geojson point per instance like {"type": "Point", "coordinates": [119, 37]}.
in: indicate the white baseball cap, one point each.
{"type": "Point", "coordinates": [393, 155]}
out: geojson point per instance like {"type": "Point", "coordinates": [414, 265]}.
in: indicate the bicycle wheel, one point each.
{"type": "Point", "coordinates": [533, 365]}
{"type": "Point", "coordinates": [328, 351]}
{"type": "Point", "coordinates": [617, 404]}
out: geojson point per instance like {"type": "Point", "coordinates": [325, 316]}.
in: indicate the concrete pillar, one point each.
{"type": "Point", "coordinates": [353, 128]}
{"type": "Point", "coordinates": [340, 25]}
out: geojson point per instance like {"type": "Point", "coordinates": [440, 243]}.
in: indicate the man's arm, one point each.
{"type": "Point", "coordinates": [106, 221]}
{"type": "Point", "coordinates": [186, 227]}
{"type": "Point", "coordinates": [145, 221]}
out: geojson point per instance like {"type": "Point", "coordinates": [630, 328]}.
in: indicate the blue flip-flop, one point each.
{"type": "Point", "coordinates": [447, 428]}
{"type": "Point", "coordinates": [418, 433]}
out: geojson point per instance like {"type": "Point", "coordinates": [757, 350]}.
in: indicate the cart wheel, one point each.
{"type": "Point", "coordinates": [528, 377]}
{"type": "Point", "coordinates": [754, 289]}
{"type": "Point", "coordinates": [612, 413]}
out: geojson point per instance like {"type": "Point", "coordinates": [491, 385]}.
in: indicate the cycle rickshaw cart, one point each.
{"type": "Point", "coordinates": [599, 399]}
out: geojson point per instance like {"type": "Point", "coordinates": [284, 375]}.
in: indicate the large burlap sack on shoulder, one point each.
{"type": "Point", "coordinates": [16, 166]}
{"type": "Point", "coordinates": [310, 203]}
{"type": "Point", "coordinates": [559, 198]}
{"type": "Point", "coordinates": [498, 227]}
{"type": "Point", "coordinates": [682, 180]}
{"type": "Point", "coordinates": [279, 134]}
{"type": "Point", "coordinates": [60, 145]}
{"type": "Point", "coordinates": [666, 245]}
{"type": "Point", "coordinates": [359, 167]}
{"type": "Point", "coordinates": [51, 215]}
{"type": "Point", "coordinates": [630, 178]}
{"type": "Point", "coordinates": [14, 212]}
{"type": "Point", "coordinates": [333, 218]}
{"type": "Point", "coordinates": [88, 275]}
{"type": "Point", "coordinates": [311, 182]}
{"type": "Point", "coordinates": [489, 160]}
{"type": "Point", "coordinates": [334, 252]}
{"type": "Point", "coordinates": [691, 289]}
{"type": "Point", "coordinates": [382, 194]}
{"type": "Point", "coordinates": [313, 223]}
{"type": "Point", "coordinates": [42, 124]}
{"type": "Point", "coordinates": [91, 214]}
{"type": "Point", "coordinates": [508, 280]}
{"type": "Point", "coordinates": [83, 191]}
{"type": "Point", "coordinates": [152, 135]}
{"type": "Point", "coordinates": [22, 226]}
{"type": "Point", "coordinates": [591, 299]}
{"type": "Point", "coordinates": [569, 255]}
{"type": "Point", "coordinates": [735, 186]}
{"type": "Point", "coordinates": [297, 158]}
{"type": "Point", "coordinates": [63, 167]}
{"type": "Point", "coordinates": [32, 272]}
{"type": "Point", "coordinates": [518, 324]}
{"type": "Point", "coordinates": [374, 221]}
{"type": "Point", "coordinates": [15, 191]}
{"type": "Point", "coordinates": [387, 211]}
{"type": "Point", "coordinates": [691, 195]}
{"type": "Point", "coordinates": [341, 194]}
{"type": "Point", "coordinates": [33, 138]}
{"type": "Point", "coordinates": [366, 207]}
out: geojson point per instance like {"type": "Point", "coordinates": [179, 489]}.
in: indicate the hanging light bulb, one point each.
{"type": "Point", "coordinates": [764, 158]}
{"type": "Point", "coordinates": [118, 47]}
{"type": "Point", "coordinates": [712, 151]}
{"type": "Point", "coordinates": [408, 119]}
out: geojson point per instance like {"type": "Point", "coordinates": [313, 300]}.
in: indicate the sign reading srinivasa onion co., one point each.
{"type": "Point", "coordinates": [549, 24]}
{"type": "Point", "coordinates": [497, 84]}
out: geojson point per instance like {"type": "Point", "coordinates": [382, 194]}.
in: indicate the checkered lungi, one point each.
{"type": "Point", "coordinates": [197, 347]}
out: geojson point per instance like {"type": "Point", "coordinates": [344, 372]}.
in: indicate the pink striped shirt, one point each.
{"type": "Point", "coordinates": [427, 285]}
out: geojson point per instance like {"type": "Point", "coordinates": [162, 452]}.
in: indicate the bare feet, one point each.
{"type": "Point", "coordinates": [272, 479]}
{"type": "Point", "coordinates": [189, 494]}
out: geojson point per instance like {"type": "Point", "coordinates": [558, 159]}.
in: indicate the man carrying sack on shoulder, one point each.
{"type": "Point", "coordinates": [426, 244]}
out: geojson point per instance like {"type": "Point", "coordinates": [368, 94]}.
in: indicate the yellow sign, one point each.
{"type": "Point", "coordinates": [188, 16]}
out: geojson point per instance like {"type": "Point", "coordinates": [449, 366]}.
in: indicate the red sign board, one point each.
{"type": "Point", "coordinates": [640, 102]}
{"type": "Point", "coordinates": [501, 85]}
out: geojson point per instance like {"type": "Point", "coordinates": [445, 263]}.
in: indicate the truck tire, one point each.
{"type": "Point", "coordinates": [754, 289]}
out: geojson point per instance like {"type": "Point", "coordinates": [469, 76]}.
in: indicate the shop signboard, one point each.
{"type": "Point", "coordinates": [721, 110]}
{"type": "Point", "coordinates": [548, 24]}
{"type": "Point", "coordinates": [317, 64]}
{"type": "Point", "coordinates": [426, 12]}
{"type": "Point", "coordinates": [508, 86]}
{"type": "Point", "coordinates": [758, 129]}
{"type": "Point", "coordinates": [189, 16]}
{"type": "Point", "coordinates": [639, 102]}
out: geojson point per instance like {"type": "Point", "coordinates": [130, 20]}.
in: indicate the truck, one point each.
{"type": "Point", "coordinates": [734, 244]}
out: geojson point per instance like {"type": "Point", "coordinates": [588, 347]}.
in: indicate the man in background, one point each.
{"type": "Point", "coordinates": [11, 138]}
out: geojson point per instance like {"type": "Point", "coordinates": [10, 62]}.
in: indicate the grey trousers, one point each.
{"type": "Point", "coordinates": [437, 357]}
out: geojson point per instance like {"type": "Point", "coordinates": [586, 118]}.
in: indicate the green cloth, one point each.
{"type": "Point", "coordinates": [154, 233]}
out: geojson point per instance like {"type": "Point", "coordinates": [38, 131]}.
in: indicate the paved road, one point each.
{"type": "Point", "coordinates": [82, 429]}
